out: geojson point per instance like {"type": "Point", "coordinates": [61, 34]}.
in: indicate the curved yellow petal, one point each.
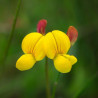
{"type": "Point", "coordinates": [71, 58]}
{"type": "Point", "coordinates": [62, 41]}
{"type": "Point", "coordinates": [30, 41]}
{"type": "Point", "coordinates": [62, 64]}
{"type": "Point", "coordinates": [38, 51]}
{"type": "Point", "coordinates": [50, 46]}
{"type": "Point", "coordinates": [25, 62]}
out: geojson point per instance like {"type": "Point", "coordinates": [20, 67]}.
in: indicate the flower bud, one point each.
{"type": "Point", "coordinates": [72, 34]}
{"type": "Point", "coordinates": [41, 26]}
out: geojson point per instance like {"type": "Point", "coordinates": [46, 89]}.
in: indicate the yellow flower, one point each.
{"type": "Point", "coordinates": [32, 46]}
{"type": "Point", "coordinates": [56, 45]}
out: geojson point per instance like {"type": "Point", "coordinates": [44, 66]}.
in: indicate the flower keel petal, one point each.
{"type": "Point", "coordinates": [62, 64]}
{"type": "Point", "coordinates": [71, 58]}
{"type": "Point", "coordinates": [25, 62]}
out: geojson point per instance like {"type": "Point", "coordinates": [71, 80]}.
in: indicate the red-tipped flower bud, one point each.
{"type": "Point", "coordinates": [72, 34]}
{"type": "Point", "coordinates": [41, 26]}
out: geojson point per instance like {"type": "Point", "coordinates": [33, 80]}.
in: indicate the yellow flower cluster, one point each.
{"type": "Point", "coordinates": [54, 45]}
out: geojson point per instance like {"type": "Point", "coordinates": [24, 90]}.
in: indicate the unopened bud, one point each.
{"type": "Point", "coordinates": [41, 26]}
{"type": "Point", "coordinates": [72, 34]}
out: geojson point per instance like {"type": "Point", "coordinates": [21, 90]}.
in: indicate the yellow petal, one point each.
{"type": "Point", "coordinates": [71, 58]}
{"type": "Point", "coordinates": [25, 62]}
{"type": "Point", "coordinates": [62, 41]}
{"type": "Point", "coordinates": [62, 64]}
{"type": "Point", "coordinates": [50, 46]}
{"type": "Point", "coordinates": [38, 51]}
{"type": "Point", "coordinates": [30, 41]}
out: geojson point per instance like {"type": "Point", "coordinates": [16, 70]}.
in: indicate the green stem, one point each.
{"type": "Point", "coordinates": [11, 33]}
{"type": "Point", "coordinates": [55, 85]}
{"type": "Point", "coordinates": [47, 79]}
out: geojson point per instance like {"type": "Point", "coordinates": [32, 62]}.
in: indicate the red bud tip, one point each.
{"type": "Point", "coordinates": [72, 34]}
{"type": "Point", "coordinates": [41, 26]}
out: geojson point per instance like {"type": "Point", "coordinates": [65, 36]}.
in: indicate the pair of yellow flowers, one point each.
{"type": "Point", "coordinates": [54, 45]}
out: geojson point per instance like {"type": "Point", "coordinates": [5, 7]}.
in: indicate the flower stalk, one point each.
{"type": "Point", "coordinates": [55, 85]}
{"type": "Point", "coordinates": [47, 78]}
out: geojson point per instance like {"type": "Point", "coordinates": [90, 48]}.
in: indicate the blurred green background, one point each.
{"type": "Point", "coordinates": [82, 81]}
